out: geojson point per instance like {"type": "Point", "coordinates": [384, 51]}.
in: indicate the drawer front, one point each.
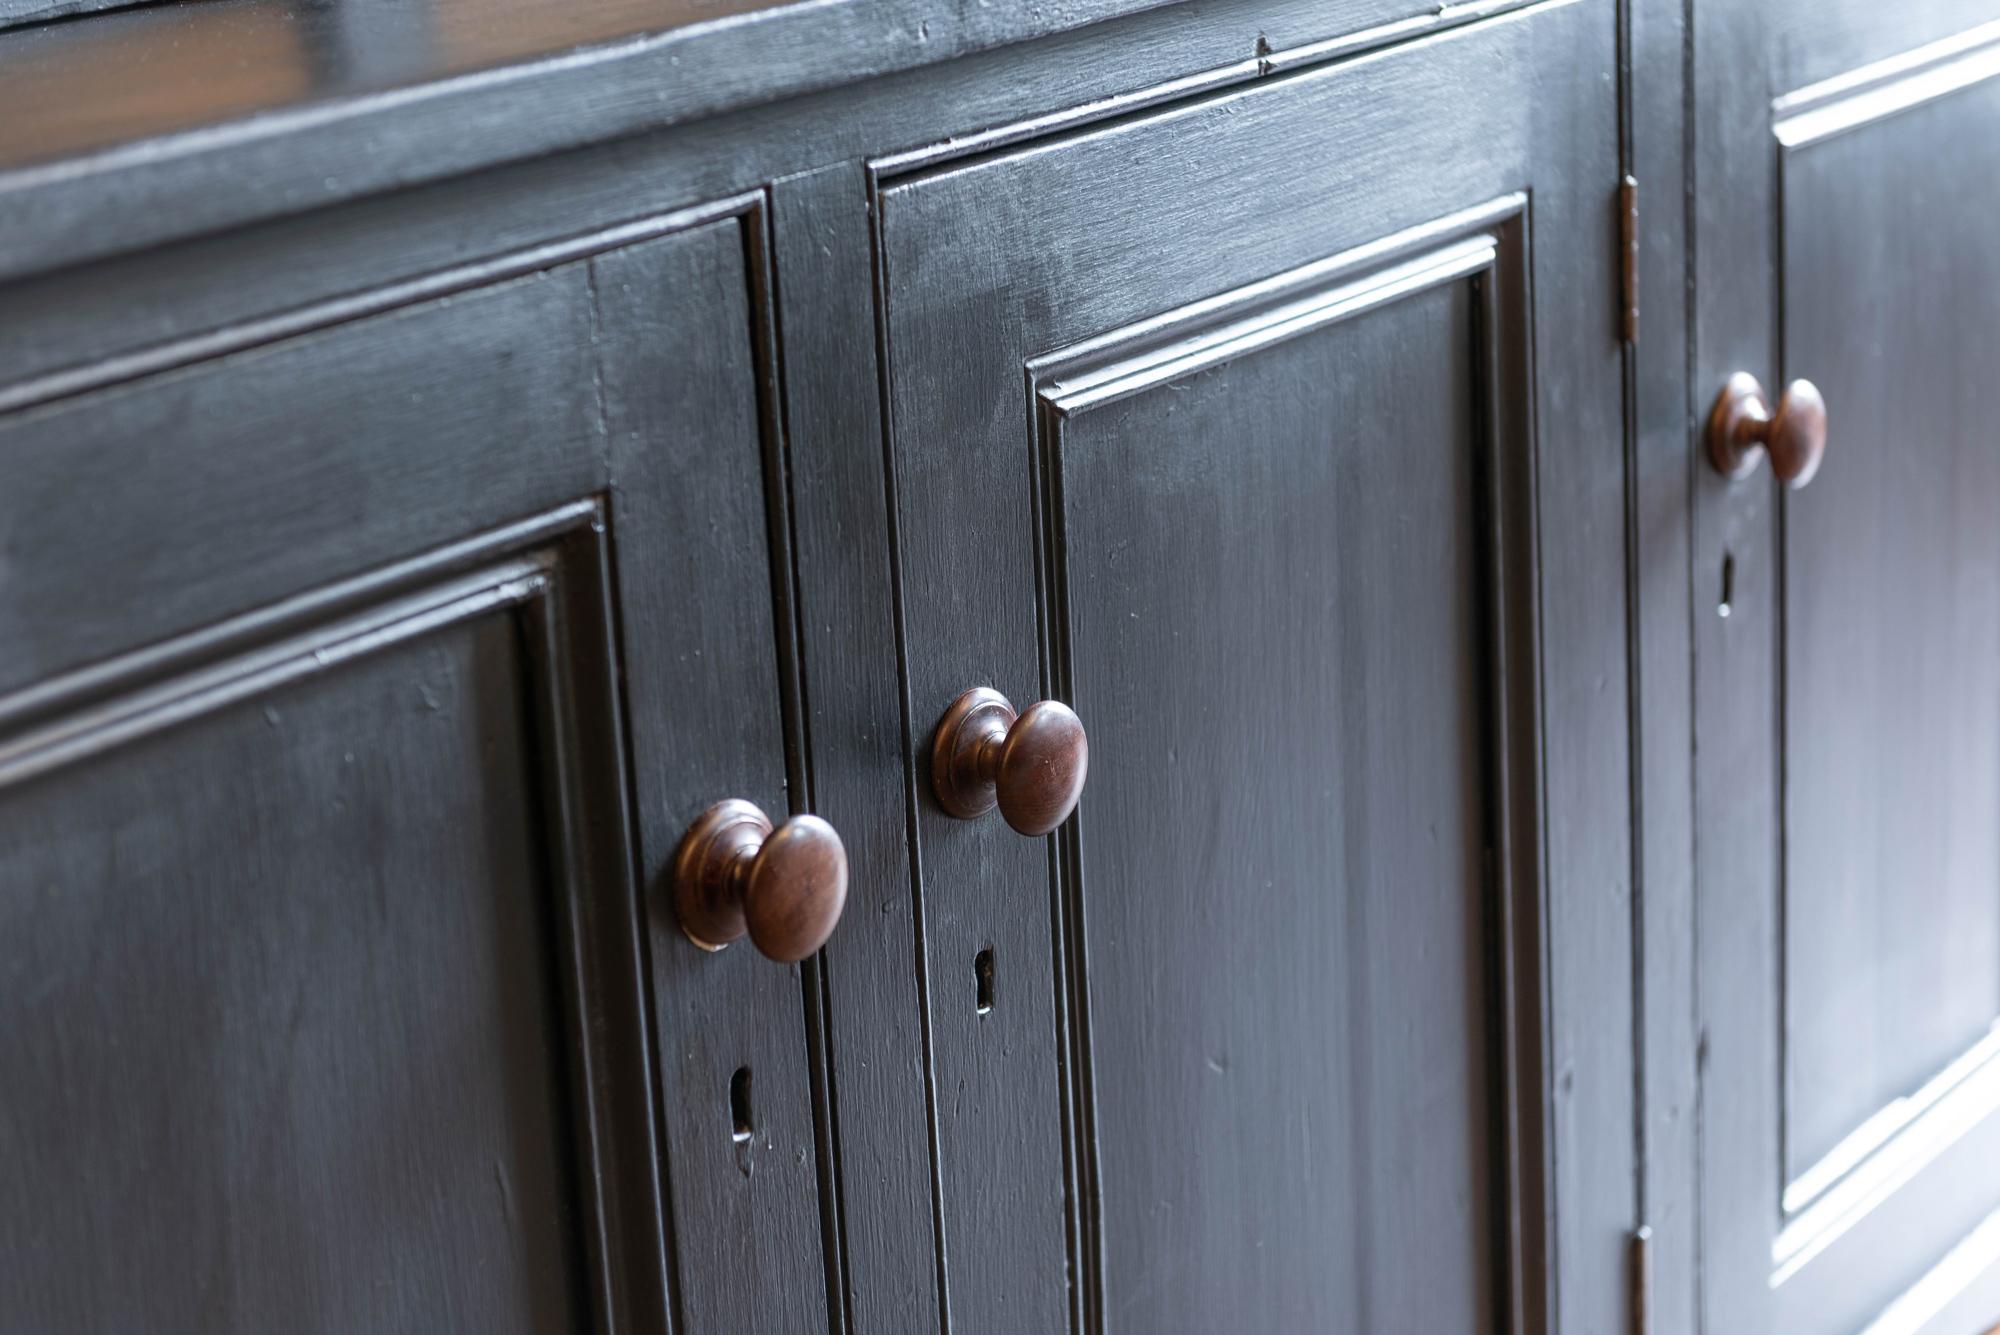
{"type": "Point", "coordinates": [1278, 434]}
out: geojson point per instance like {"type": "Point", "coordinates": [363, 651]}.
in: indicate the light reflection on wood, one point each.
{"type": "Point", "coordinates": [474, 33]}
{"type": "Point", "coordinates": [165, 70]}
{"type": "Point", "coordinates": [143, 73]}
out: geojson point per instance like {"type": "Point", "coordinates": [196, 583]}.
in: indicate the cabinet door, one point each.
{"type": "Point", "coordinates": [1847, 170]}
{"type": "Point", "coordinates": [1278, 432]}
{"type": "Point", "coordinates": [696, 511]}
{"type": "Point", "coordinates": [322, 959]}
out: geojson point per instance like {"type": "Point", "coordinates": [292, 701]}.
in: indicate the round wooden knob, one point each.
{"type": "Point", "coordinates": [1742, 424]}
{"type": "Point", "coordinates": [785, 887]}
{"type": "Point", "coordinates": [1031, 766]}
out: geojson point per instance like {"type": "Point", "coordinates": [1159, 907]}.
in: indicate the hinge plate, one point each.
{"type": "Point", "coordinates": [1628, 256]}
{"type": "Point", "coordinates": [1639, 1274]}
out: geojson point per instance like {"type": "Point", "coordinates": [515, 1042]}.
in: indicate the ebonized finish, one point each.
{"type": "Point", "coordinates": [270, 107]}
{"type": "Point", "coordinates": [1252, 644]}
{"type": "Point", "coordinates": [450, 446]}
{"type": "Point", "coordinates": [322, 944]}
{"type": "Point", "coordinates": [1846, 658]}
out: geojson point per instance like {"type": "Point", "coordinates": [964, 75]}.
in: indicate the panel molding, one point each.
{"type": "Point", "coordinates": [1486, 245]}
{"type": "Point", "coordinates": [1956, 1275]}
{"type": "Point", "coordinates": [258, 671]}
{"type": "Point", "coordinates": [552, 572]}
{"type": "Point", "coordinates": [1266, 61]}
{"type": "Point", "coordinates": [1885, 1152]}
{"type": "Point", "coordinates": [1884, 87]}
{"type": "Point", "coordinates": [1150, 352]}
{"type": "Point", "coordinates": [260, 330]}
{"type": "Point", "coordinates": [81, 713]}
{"type": "Point", "coordinates": [1837, 1199]}
{"type": "Point", "coordinates": [1094, 386]}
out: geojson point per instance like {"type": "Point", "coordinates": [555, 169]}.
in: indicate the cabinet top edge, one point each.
{"type": "Point", "coordinates": [132, 128]}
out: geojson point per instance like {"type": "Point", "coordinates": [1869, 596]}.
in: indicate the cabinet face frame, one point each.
{"type": "Point", "coordinates": [1887, 1226]}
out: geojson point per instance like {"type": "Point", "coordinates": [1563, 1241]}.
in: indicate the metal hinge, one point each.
{"type": "Point", "coordinates": [1628, 255]}
{"type": "Point", "coordinates": [1639, 1274]}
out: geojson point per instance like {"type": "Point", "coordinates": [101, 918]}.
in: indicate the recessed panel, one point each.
{"type": "Point", "coordinates": [1274, 571]}
{"type": "Point", "coordinates": [284, 1040]}
{"type": "Point", "coordinates": [1892, 616]}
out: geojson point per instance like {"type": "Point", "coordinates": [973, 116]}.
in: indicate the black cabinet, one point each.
{"type": "Point", "coordinates": [1848, 740]}
{"type": "Point", "coordinates": [1259, 429]}
{"type": "Point", "coordinates": [1525, 881]}
{"type": "Point", "coordinates": [341, 989]}
{"type": "Point", "coordinates": [685, 394]}
{"type": "Point", "coordinates": [322, 997]}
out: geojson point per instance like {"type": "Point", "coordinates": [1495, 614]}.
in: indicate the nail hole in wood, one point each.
{"type": "Point", "coordinates": [739, 1106]}
{"type": "Point", "coordinates": [982, 972]}
{"type": "Point", "coordinates": [1728, 584]}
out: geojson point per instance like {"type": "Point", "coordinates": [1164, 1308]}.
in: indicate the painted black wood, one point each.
{"type": "Point", "coordinates": [1892, 621]}
{"type": "Point", "coordinates": [687, 359]}
{"type": "Point", "coordinates": [277, 106]}
{"type": "Point", "coordinates": [1663, 463]}
{"type": "Point", "coordinates": [234, 449]}
{"type": "Point", "coordinates": [319, 960]}
{"type": "Point", "coordinates": [1850, 938]}
{"type": "Point", "coordinates": [444, 1087]}
{"type": "Point", "coordinates": [881, 1107]}
{"type": "Point", "coordinates": [211, 292]}
{"type": "Point", "coordinates": [293, 996]}
{"type": "Point", "coordinates": [1308, 856]}
{"type": "Point", "coordinates": [308, 277]}
{"type": "Point", "coordinates": [297, 294]}
{"type": "Point", "coordinates": [1306, 735]}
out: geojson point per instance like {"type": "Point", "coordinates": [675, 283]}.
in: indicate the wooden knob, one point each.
{"type": "Point", "coordinates": [1031, 766]}
{"type": "Point", "coordinates": [1742, 424]}
{"type": "Point", "coordinates": [734, 873]}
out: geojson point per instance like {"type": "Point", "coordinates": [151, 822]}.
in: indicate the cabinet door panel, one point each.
{"type": "Point", "coordinates": [1279, 647]}
{"type": "Point", "coordinates": [334, 995]}
{"type": "Point", "coordinates": [325, 1104]}
{"type": "Point", "coordinates": [1230, 424]}
{"type": "Point", "coordinates": [1892, 617]}
{"type": "Point", "coordinates": [299, 942]}
{"type": "Point", "coordinates": [1848, 725]}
